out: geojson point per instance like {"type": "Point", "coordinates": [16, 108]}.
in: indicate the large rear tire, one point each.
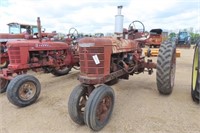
{"type": "Point", "coordinates": [195, 84]}
{"type": "Point", "coordinates": [61, 72]}
{"type": "Point", "coordinates": [99, 107]}
{"type": "Point", "coordinates": [166, 68]}
{"type": "Point", "coordinates": [23, 90]}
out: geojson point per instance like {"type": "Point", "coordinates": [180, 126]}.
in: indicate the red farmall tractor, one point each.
{"type": "Point", "coordinates": [49, 55]}
{"type": "Point", "coordinates": [17, 31]}
{"type": "Point", "coordinates": [195, 85]}
{"type": "Point", "coordinates": [105, 60]}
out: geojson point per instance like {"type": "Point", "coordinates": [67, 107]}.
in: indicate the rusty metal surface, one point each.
{"type": "Point", "coordinates": [96, 59]}
{"type": "Point", "coordinates": [27, 91]}
{"type": "Point", "coordinates": [103, 108]}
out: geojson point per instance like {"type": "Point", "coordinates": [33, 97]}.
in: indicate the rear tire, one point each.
{"type": "Point", "coordinates": [61, 72]}
{"type": "Point", "coordinates": [99, 107]}
{"type": "Point", "coordinates": [166, 68]}
{"type": "Point", "coordinates": [23, 90]}
{"type": "Point", "coordinates": [195, 84]}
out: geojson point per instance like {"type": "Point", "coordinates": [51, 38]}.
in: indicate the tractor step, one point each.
{"type": "Point", "coordinates": [154, 52]}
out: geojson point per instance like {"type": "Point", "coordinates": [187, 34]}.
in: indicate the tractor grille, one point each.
{"type": "Point", "coordinates": [87, 63]}
{"type": "Point", "coordinates": [14, 55]}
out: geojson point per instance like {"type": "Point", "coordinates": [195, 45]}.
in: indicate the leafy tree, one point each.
{"type": "Point", "coordinates": [172, 35]}
{"type": "Point", "coordinates": [194, 37]}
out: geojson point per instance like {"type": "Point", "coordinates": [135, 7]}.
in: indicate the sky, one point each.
{"type": "Point", "coordinates": [94, 16]}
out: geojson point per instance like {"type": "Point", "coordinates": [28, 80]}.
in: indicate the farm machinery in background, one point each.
{"type": "Point", "coordinates": [43, 54]}
{"type": "Point", "coordinates": [183, 40]}
{"type": "Point", "coordinates": [17, 31]}
{"type": "Point", "coordinates": [156, 37]}
{"type": "Point", "coordinates": [105, 60]}
{"type": "Point", "coordinates": [195, 84]}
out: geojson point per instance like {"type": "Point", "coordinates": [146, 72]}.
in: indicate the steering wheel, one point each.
{"type": "Point", "coordinates": [73, 33]}
{"type": "Point", "coordinates": [131, 25]}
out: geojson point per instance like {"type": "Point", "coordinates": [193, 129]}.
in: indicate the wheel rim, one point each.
{"type": "Point", "coordinates": [173, 69]}
{"type": "Point", "coordinates": [195, 69]}
{"type": "Point", "coordinates": [3, 82]}
{"type": "Point", "coordinates": [27, 91]}
{"type": "Point", "coordinates": [82, 103]}
{"type": "Point", "coordinates": [103, 108]}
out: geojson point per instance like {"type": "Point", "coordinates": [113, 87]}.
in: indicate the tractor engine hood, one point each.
{"type": "Point", "coordinates": [4, 37]}
{"type": "Point", "coordinates": [36, 44]}
{"type": "Point", "coordinates": [117, 45]}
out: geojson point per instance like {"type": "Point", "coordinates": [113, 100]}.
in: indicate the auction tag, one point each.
{"type": "Point", "coordinates": [96, 59]}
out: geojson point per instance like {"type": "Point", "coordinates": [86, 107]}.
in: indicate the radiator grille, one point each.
{"type": "Point", "coordinates": [14, 55]}
{"type": "Point", "coordinates": [87, 63]}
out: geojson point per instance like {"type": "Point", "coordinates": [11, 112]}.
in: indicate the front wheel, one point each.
{"type": "Point", "coordinates": [23, 90]}
{"type": "Point", "coordinates": [99, 107]}
{"type": "Point", "coordinates": [77, 102]}
{"type": "Point", "coordinates": [195, 85]}
{"type": "Point", "coordinates": [166, 68]}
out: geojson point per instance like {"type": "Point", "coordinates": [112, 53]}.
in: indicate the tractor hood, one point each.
{"type": "Point", "coordinates": [117, 45]}
{"type": "Point", "coordinates": [4, 37]}
{"type": "Point", "coordinates": [36, 44]}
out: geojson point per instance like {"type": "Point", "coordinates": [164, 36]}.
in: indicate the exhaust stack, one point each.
{"type": "Point", "coordinates": [39, 29]}
{"type": "Point", "coordinates": [119, 21]}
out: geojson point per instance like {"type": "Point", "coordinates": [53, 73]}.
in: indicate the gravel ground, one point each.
{"type": "Point", "coordinates": [139, 108]}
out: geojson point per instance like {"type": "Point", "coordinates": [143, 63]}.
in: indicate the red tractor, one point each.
{"type": "Point", "coordinates": [195, 85]}
{"type": "Point", "coordinates": [48, 55]}
{"type": "Point", "coordinates": [17, 31]}
{"type": "Point", "coordinates": [105, 60]}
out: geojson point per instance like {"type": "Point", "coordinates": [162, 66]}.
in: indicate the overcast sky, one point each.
{"type": "Point", "coordinates": [91, 16]}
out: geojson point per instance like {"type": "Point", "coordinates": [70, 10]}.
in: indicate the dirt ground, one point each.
{"type": "Point", "coordinates": [139, 108]}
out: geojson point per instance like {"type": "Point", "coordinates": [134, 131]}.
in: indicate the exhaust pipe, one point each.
{"type": "Point", "coordinates": [119, 21]}
{"type": "Point", "coordinates": [39, 29]}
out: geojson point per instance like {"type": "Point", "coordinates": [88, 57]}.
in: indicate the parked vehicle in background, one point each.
{"type": "Point", "coordinates": [156, 37]}
{"type": "Point", "coordinates": [17, 31]}
{"type": "Point", "coordinates": [183, 39]}
{"type": "Point", "coordinates": [56, 55]}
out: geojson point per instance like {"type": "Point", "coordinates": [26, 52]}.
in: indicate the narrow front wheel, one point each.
{"type": "Point", "coordinates": [99, 107]}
